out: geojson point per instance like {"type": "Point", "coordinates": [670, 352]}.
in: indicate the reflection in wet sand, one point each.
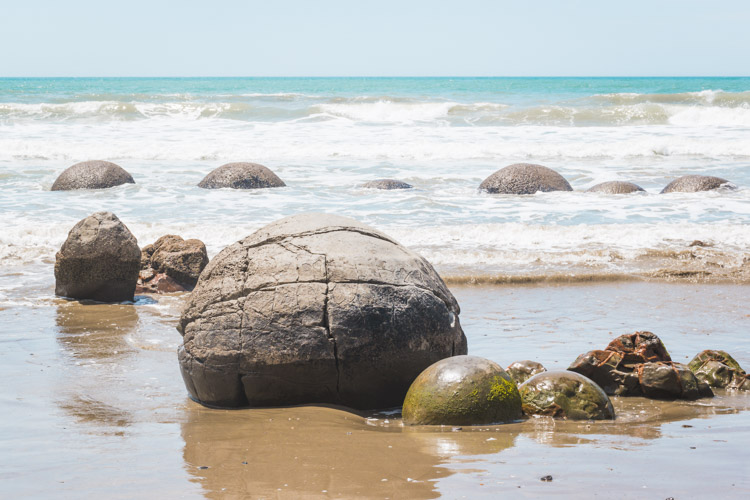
{"type": "Point", "coordinates": [95, 331]}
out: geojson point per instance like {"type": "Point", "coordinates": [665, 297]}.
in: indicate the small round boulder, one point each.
{"type": "Point", "coordinates": [92, 175]}
{"type": "Point", "coordinates": [524, 178]}
{"type": "Point", "coordinates": [565, 394]}
{"type": "Point", "coordinates": [521, 371]}
{"type": "Point", "coordinates": [462, 390]}
{"type": "Point", "coordinates": [615, 187]}
{"type": "Point", "coordinates": [241, 175]}
{"type": "Point", "coordinates": [100, 260]}
{"type": "Point", "coordinates": [719, 369]}
{"type": "Point", "coordinates": [386, 184]}
{"type": "Point", "coordinates": [695, 183]}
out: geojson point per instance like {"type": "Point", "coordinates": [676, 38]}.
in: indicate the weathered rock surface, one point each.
{"type": "Point", "coordinates": [241, 175]}
{"type": "Point", "coordinates": [565, 394]}
{"type": "Point", "coordinates": [638, 364]}
{"type": "Point", "coordinates": [462, 390]}
{"type": "Point", "coordinates": [521, 371]}
{"type": "Point", "coordinates": [315, 308]}
{"type": "Point", "coordinates": [92, 175]}
{"type": "Point", "coordinates": [719, 369]}
{"type": "Point", "coordinates": [524, 178]}
{"type": "Point", "coordinates": [100, 260]}
{"type": "Point", "coordinates": [615, 187]}
{"type": "Point", "coordinates": [387, 184]}
{"type": "Point", "coordinates": [694, 183]}
{"type": "Point", "coordinates": [172, 257]}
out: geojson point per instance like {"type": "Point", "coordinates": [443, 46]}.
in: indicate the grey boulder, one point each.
{"type": "Point", "coordinates": [694, 183]}
{"type": "Point", "coordinates": [524, 178]}
{"type": "Point", "coordinates": [315, 308]}
{"type": "Point", "coordinates": [92, 175]}
{"type": "Point", "coordinates": [99, 260]}
{"type": "Point", "coordinates": [241, 175]}
{"type": "Point", "coordinates": [386, 184]}
{"type": "Point", "coordinates": [615, 187]}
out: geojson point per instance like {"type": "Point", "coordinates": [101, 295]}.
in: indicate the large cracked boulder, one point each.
{"type": "Point", "coordinates": [100, 260]}
{"type": "Point", "coordinates": [179, 260]}
{"type": "Point", "coordinates": [695, 183]}
{"type": "Point", "coordinates": [524, 178]}
{"type": "Point", "coordinates": [615, 187]}
{"type": "Point", "coordinates": [241, 175]}
{"type": "Point", "coordinates": [315, 308]}
{"type": "Point", "coordinates": [92, 175]}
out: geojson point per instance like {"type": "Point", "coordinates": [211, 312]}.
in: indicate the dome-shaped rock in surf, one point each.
{"type": "Point", "coordinates": [524, 178]}
{"type": "Point", "coordinates": [315, 308]}
{"type": "Point", "coordinates": [99, 260]}
{"type": "Point", "coordinates": [386, 184]}
{"type": "Point", "coordinates": [615, 187]}
{"type": "Point", "coordinates": [462, 390]}
{"type": "Point", "coordinates": [92, 175]}
{"type": "Point", "coordinates": [241, 175]}
{"type": "Point", "coordinates": [694, 183]}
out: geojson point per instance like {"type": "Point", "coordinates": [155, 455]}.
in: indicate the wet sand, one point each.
{"type": "Point", "coordinates": [93, 405]}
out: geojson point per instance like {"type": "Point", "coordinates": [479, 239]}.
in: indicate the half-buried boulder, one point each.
{"type": "Point", "coordinates": [386, 184]}
{"type": "Point", "coordinates": [171, 264]}
{"type": "Point", "coordinates": [241, 175]}
{"type": "Point", "coordinates": [99, 260]}
{"type": "Point", "coordinates": [315, 308]}
{"type": "Point", "coordinates": [521, 371]}
{"type": "Point", "coordinates": [719, 369]}
{"type": "Point", "coordinates": [565, 394]}
{"type": "Point", "coordinates": [695, 183]}
{"type": "Point", "coordinates": [92, 175]}
{"type": "Point", "coordinates": [524, 178]}
{"type": "Point", "coordinates": [615, 187]}
{"type": "Point", "coordinates": [462, 390]}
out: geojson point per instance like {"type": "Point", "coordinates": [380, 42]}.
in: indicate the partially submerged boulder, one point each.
{"type": "Point", "coordinates": [172, 264]}
{"type": "Point", "coordinates": [462, 390]}
{"type": "Point", "coordinates": [695, 183]}
{"type": "Point", "coordinates": [315, 308]}
{"type": "Point", "coordinates": [521, 371]}
{"type": "Point", "coordinates": [241, 175]}
{"type": "Point", "coordinates": [99, 260]}
{"type": "Point", "coordinates": [386, 184]}
{"type": "Point", "coordinates": [615, 187]}
{"type": "Point", "coordinates": [565, 394]}
{"type": "Point", "coordinates": [719, 369]}
{"type": "Point", "coordinates": [92, 175]}
{"type": "Point", "coordinates": [638, 364]}
{"type": "Point", "coordinates": [524, 178]}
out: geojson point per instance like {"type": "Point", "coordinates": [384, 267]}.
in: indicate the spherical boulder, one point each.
{"type": "Point", "coordinates": [565, 394]}
{"type": "Point", "coordinates": [92, 175]}
{"type": "Point", "coordinates": [524, 178]}
{"type": "Point", "coordinates": [386, 184]}
{"type": "Point", "coordinates": [521, 371]}
{"type": "Point", "coordinates": [462, 390]}
{"type": "Point", "coordinates": [182, 260]}
{"type": "Point", "coordinates": [241, 175]}
{"type": "Point", "coordinates": [694, 183]}
{"type": "Point", "coordinates": [315, 308]}
{"type": "Point", "coordinates": [99, 260]}
{"type": "Point", "coordinates": [615, 187]}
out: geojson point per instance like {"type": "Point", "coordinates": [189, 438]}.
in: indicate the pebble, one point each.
{"type": "Point", "coordinates": [546, 478]}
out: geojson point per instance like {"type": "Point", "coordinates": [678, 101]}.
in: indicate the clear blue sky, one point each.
{"type": "Point", "coordinates": [377, 38]}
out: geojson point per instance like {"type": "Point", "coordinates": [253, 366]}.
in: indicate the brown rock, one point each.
{"type": "Point", "coordinates": [615, 187]}
{"type": "Point", "coordinates": [521, 371]}
{"type": "Point", "coordinates": [182, 260]}
{"type": "Point", "coordinates": [695, 183]}
{"type": "Point", "coordinates": [524, 178]}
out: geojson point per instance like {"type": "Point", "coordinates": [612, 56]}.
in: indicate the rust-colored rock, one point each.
{"type": "Point", "coordinates": [180, 260]}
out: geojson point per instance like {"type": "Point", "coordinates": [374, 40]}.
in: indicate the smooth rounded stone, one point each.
{"type": "Point", "coordinates": [615, 187]}
{"type": "Point", "coordinates": [99, 260]}
{"type": "Point", "coordinates": [387, 184]}
{"type": "Point", "coordinates": [524, 178]}
{"type": "Point", "coordinates": [565, 394]}
{"type": "Point", "coordinates": [462, 390]}
{"type": "Point", "coordinates": [181, 260]}
{"type": "Point", "coordinates": [92, 175]}
{"type": "Point", "coordinates": [719, 369]}
{"type": "Point", "coordinates": [669, 380]}
{"type": "Point", "coordinates": [315, 308]}
{"type": "Point", "coordinates": [241, 175]}
{"type": "Point", "coordinates": [521, 371]}
{"type": "Point", "coordinates": [694, 183]}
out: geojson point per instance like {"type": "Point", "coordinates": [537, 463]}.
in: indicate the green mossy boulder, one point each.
{"type": "Point", "coordinates": [565, 394]}
{"type": "Point", "coordinates": [521, 371]}
{"type": "Point", "coordinates": [719, 369]}
{"type": "Point", "coordinates": [462, 390]}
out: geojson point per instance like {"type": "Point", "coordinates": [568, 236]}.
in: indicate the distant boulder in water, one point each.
{"type": "Point", "coordinates": [615, 187]}
{"type": "Point", "coordinates": [524, 178]}
{"type": "Point", "coordinates": [241, 175]}
{"type": "Point", "coordinates": [695, 183]}
{"type": "Point", "coordinates": [95, 174]}
{"type": "Point", "coordinates": [387, 184]}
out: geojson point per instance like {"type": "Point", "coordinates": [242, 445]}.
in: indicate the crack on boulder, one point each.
{"type": "Point", "coordinates": [327, 326]}
{"type": "Point", "coordinates": [326, 230]}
